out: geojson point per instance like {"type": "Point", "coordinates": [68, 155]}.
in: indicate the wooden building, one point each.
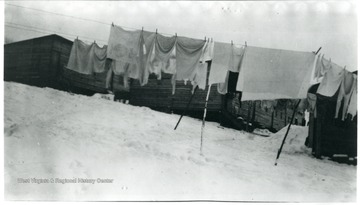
{"type": "Point", "coordinates": [37, 61]}
{"type": "Point", "coordinates": [329, 136]}
{"type": "Point", "coordinates": [41, 62]}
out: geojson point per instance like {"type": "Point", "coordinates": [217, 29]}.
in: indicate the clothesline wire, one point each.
{"type": "Point", "coordinates": [86, 19]}
{"type": "Point", "coordinates": [34, 29]}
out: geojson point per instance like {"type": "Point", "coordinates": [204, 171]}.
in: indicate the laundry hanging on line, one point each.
{"type": "Point", "coordinates": [188, 53]}
{"type": "Point", "coordinates": [208, 51]}
{"type": "Point", "coordinates": [352, 108]}
{"type": "Point", "coordinates": [332, 77]}
{"type": "Point", "coordinates": [220, 63]}
{"type": "Point", "coordinates": [123, 45]}
{"type": "Point", "coordinates": [345, 91]}
{"type": "Point", "coordinates": [275, 74]}
{"type": "Point", "coordinates": [200, 76]}
{"type": "Point", "coordinates": [87, 59]}
{"type": "Point", "coordinates": [162, 56]}
{"type": "Point", "coordinates": [236, 57]}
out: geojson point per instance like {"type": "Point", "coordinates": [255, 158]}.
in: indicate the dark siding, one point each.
{"type": "Point", "coordinates": [157, 94]}
{"type": "Point", "coordinates": [263, 117]}
{"type": "Point", "coordinates": [329, 135]}
{"type": "Point", "coordinates": [35, 61]}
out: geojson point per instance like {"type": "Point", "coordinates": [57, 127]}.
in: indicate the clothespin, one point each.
{"type": "Point", "coordinates": [205, 38]}
{"type": "Point", "coordinates": [232, 42]}
{"type": "Point", "coordinates": [156, 31]}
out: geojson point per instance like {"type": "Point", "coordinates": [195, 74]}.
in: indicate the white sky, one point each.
{"type": "Point", "coordinates": [302, 26]}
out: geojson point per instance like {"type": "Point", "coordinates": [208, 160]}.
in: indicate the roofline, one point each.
{"type": "Point", "coordinates": [41, 37]}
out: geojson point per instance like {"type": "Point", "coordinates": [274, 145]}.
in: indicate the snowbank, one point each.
{"type": "Point", "coordinates": [60, 146]}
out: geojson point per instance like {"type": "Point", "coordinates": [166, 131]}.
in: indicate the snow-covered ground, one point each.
{"type": "Point", "coordinates": [51, 134]}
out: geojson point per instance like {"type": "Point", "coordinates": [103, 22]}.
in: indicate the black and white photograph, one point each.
{"type": "Point", "coordinates": [180, 101]}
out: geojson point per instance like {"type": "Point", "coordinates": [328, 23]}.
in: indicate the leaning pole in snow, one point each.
{"type": "Point", "coordinates": [287, 131]}
{"type": "Point", "coordinates": [203, 121]}
{"type": "Point", "coordinates": [292, 118]}
{"type": "Point", "coordinates": [187, 107]}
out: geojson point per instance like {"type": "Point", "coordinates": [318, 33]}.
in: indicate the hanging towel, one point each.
{"type": "Point", "coordinates": [188, 53]}
{"type": "Point", "coordinates": [80, 56]}
{"type": "Point", "coordinates": [346, 88]}
{"type": "Point", "coordinates": [123, 45]}
{"type": "Point", "coordinates": [332, 79]}
{"type": "Point", "coordinates": [235, 58]}
{"type": "Point", "coordinates": [99, 58]}
{"type": "Point", "coordinates": [200, 76]}
{"type": "Point", "coordinates": [274, 74]}
{"type": "Point", "coordinates": [220, 63]}
{"type": "Point", "coordinates": [87, 59]}
{"type": "Point", "coordinates": [352, 108]}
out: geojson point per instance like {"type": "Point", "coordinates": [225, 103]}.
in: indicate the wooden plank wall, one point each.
{"type": "Point", "coordinates": [262, 116]}
{"type": "Point", "coordinates": [157, 94]}
{"type": "Point", "coordinates": [27, 61]}
{"type": "Point", "coordinates": [332, 135]}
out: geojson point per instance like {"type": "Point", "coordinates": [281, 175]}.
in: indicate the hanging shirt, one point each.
{"type": "Point", "coordinates": [352, 108]}
{"type": "Point", "coordinates": [220, 63]}
{"type": "Point", "coordinates": [188, 53]}
{"type": "Point", "coordinates": [346, 88]}
{"type": "Point", "coordinates": [311, 100]}
{"type": "Point", "coordinates": [162, 56]}
{"type": "Point", "coordinates": [123, 45]}
{"type": "Point", "coordinates": [119, 67]}
{"type": "Point", "coordinates": [236, 58]}
{"type": "Point", "coordinates": [322, 66]}
{"type": "Point", "coordinates": [208, 51]}
{"type": "Point", "coordinates": [332, 79]}
{"type": "Point", "coordinates": [275, 74]}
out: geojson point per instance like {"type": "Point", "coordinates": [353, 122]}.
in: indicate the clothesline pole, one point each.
{"type": "Point", "coordinates": [287, 131]}
{"type": "Point", "coordinates": [187, 107]}
{"type": "Point", "coordinates": [203, 122]}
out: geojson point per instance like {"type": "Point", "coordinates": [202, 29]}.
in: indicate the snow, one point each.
{"type": "Point", "coordinates": [51, 134]}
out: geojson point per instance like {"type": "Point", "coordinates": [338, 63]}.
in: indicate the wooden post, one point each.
{"type": "Point", "coordinates": [253, 113]}
{"type": "Point", "coordinates": [187, 107]}
{"type": "Point", "coordinates": [248, 116]}
{"type": "Point", "coordinates": [287, 132]}
{"type": "Point", "coordinates": [272, 119]}
{"type": "Point", "coordinates": [203, 122]}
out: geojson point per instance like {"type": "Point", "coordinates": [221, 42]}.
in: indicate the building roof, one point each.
{"type": "Point", "coordinates": [43, 37]}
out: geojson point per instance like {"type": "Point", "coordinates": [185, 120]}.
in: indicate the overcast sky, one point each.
{"type": "Point", "coordinates": [302, 26]}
